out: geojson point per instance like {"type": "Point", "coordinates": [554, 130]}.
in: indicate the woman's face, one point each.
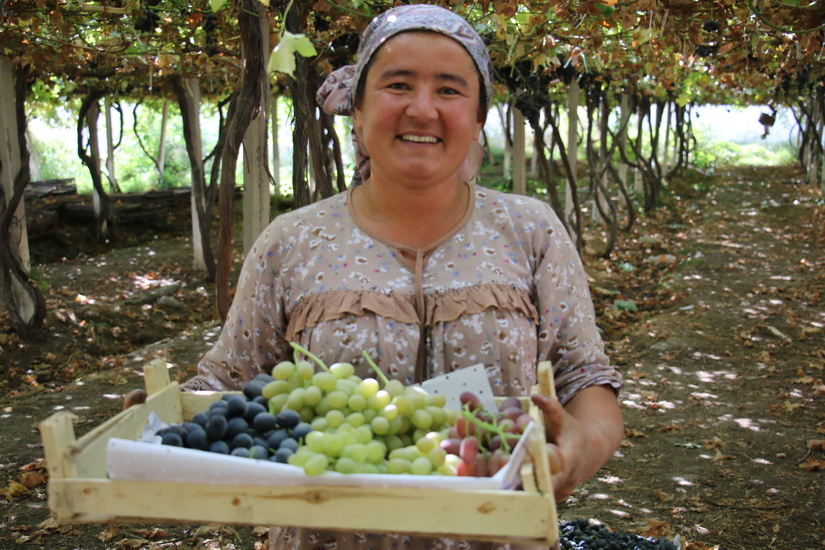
{"type": "Point", "coordinates": [419, 112]}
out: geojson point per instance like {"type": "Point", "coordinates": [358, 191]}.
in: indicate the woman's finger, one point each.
{"type": "Point", "coordinates": [554, 415]}
{"type": "Point", "coordinates": [555, 458]}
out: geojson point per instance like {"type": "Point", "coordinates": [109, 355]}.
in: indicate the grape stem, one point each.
{"type": "Point", "coordinates": [299, 348]}
{"type": "Point", "coordinates": [482, 425]}
{"type": "Point", "coordinates": [374, 367]}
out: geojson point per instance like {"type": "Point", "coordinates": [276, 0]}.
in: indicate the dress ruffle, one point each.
{"type": "Point", "coordinates": [452, 304]}
{"type": "Point", "coordinates": [328, 306]}
{"type": "Point", "coordinates": [439, 308]}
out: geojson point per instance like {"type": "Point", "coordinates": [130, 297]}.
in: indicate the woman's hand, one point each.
{"type": "Point", "coordinates": [581, 436]}
{"type": "Point", "coordinates": [134, 397]}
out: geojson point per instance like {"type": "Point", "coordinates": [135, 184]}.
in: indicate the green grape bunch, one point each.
{"type": "Point", "coordinates": [330, 419]}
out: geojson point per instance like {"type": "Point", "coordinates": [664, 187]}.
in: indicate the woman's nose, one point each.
{"type": "Point", "coordinates": [422, 105]}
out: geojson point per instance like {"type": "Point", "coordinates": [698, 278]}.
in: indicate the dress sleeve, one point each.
{"type": "Point", "coordinates": [252, 339]}
{"type": "Point", "coordinates": [568, 334]}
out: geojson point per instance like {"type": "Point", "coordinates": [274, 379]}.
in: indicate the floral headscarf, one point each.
{"type": "Point", "coordinates": [337, 93]}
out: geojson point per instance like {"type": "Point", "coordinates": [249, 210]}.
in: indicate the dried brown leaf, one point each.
{"type": "Point", "coordinates": [813, 465]}
{"type": "Point", "coordinates": [662, 496]}
{"type": "Point", "coordinates": [14, 490]}
{"type": "Point", "coordinates": [49, 523]}
{"type": "Point", "coordinates": [36, 465]}
{"type": "Point", "coordinates": [108, 534]}
{"type": "Point", "coordinates": [816, 444]}
{"type": "Point", "coordinates": [714, 443]}
{"type": "Point", "coordinates": [155, 533]}
{"type": "Point", "coordinates": [656, 529]}
{"type": "Point", "coordinates": [131, 544]}
{"type": "Point", "coordinates": [32, 479]}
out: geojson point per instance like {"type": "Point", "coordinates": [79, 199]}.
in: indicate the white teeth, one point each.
{"type": "Point", "coordinates": [420, 139]}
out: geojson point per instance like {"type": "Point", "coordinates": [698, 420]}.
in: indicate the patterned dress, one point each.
{"type": "Point", "coordinates": [507, 289]}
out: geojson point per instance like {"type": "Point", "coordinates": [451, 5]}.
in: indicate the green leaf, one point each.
{"type": "Point", "coordinates": [282, 59]}
{"type": "Point", "coordinates": [607, 11]}
{"type": "Point", "coordinates": [625, 305]}
{"type": "Point", "coordinates": [216, 5]}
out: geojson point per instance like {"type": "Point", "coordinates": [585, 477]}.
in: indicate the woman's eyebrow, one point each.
{"type": "Point", "coordinates": [446, 77]}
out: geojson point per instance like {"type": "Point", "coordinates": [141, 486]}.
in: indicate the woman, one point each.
{"type": "Point", "coordinates": [420, 268]}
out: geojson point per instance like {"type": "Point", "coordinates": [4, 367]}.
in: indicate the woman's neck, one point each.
{"type": "Point", "coordinates": [414, 218]}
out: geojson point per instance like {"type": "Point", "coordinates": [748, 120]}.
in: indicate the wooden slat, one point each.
{"type": "Point", "coordinates": [545, 377]}
{"type": "Point", "coordinates": [57, 434]}
{"type": "Point", "coordinates": [488, 515]}
{"type": "Point", "coordinates": [193, 402]}
{"type": "Point", "coordinates": [88, 454]}
{"type": "Point", "coordinates": [156, 376]}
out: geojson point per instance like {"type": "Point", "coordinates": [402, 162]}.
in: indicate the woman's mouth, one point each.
{"type": "Point", "coordinates": [418, 139]}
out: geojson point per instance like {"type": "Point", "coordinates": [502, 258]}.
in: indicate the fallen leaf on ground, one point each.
{"type": "Point", "coordinates": [14, 490]}
{"type": "Point", "coordinates": [49, 523]}
{"type": "Point", "coordinates": [813, 465]}
{"type": "Point", "coordinates": [634, 433]}
{"type": "Point", "coordinates": [714, 443]}
{"type": "Point", "coordinates": [32, 479]}
{"type": "Point", "coordinates": [662, 496]}
{"type": "Point", "coordinates": [131, 544]}
{"type": "Point", "coordinates": [816, 444]}
{"type": "Point", "coordinates": [656, 529]}
{"type": "Point", "coordinates": [155, 533]}
{"type": "Point", "coordinates": [36, 465]}
{"type": "Point", "coordinates": [108, 534]}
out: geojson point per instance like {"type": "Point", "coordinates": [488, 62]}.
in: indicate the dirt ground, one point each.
{"type": "Point", "coordinates": [712, 307]}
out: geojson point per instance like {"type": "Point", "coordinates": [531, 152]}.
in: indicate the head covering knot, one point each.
{"type": "Point", "coordinates": [337, 94]}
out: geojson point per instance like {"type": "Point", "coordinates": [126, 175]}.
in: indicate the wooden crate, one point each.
{"type": "Point", "coordinates": [80, 492]}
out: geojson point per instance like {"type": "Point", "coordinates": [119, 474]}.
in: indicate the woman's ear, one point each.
{"type": "Point", "coordinates": [479, 127]}
{"type": "Point", "coordinates": [357, 126]}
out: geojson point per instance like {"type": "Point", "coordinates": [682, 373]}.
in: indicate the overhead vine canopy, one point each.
{"type": "Point", "coordinates": [694, 51]}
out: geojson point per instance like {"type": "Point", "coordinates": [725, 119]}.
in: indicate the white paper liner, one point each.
{"type": "Point", "coordinates": [148, 461]}
{"type": "Point", "coordinates": [472, 379]}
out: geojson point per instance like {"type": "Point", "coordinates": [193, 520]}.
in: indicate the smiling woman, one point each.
{"type": "Point", "coordinates": [420, 268]}
{"type": "Point", "coordinates": [417, 120]}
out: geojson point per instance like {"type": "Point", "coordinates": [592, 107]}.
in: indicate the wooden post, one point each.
{"type": "Point", "coordinates": [519, 156]}
{"type": "Point", "coordinates": [255, 163]}
{"type": "Point", "coordinates": [192, 87]}
{"type": "Point", "coordinates": [666, 152]}
{"type": "Point", "coordinates": [110, 147]}
{"type": "Point", "coordinates": [506, 125]}
{"type": "Point", "coordinates": [164, 124]}
{"type": "Point", "coordinates": [623, 136]}
{"type": "Point", "coordinates": [10, 160]}
{"type": "Point", "coordinates": [572, 144]}
{"type": "Point", "coordinates": [276, 147]}
{"type": "Point", "coordinates": [94, 146]}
